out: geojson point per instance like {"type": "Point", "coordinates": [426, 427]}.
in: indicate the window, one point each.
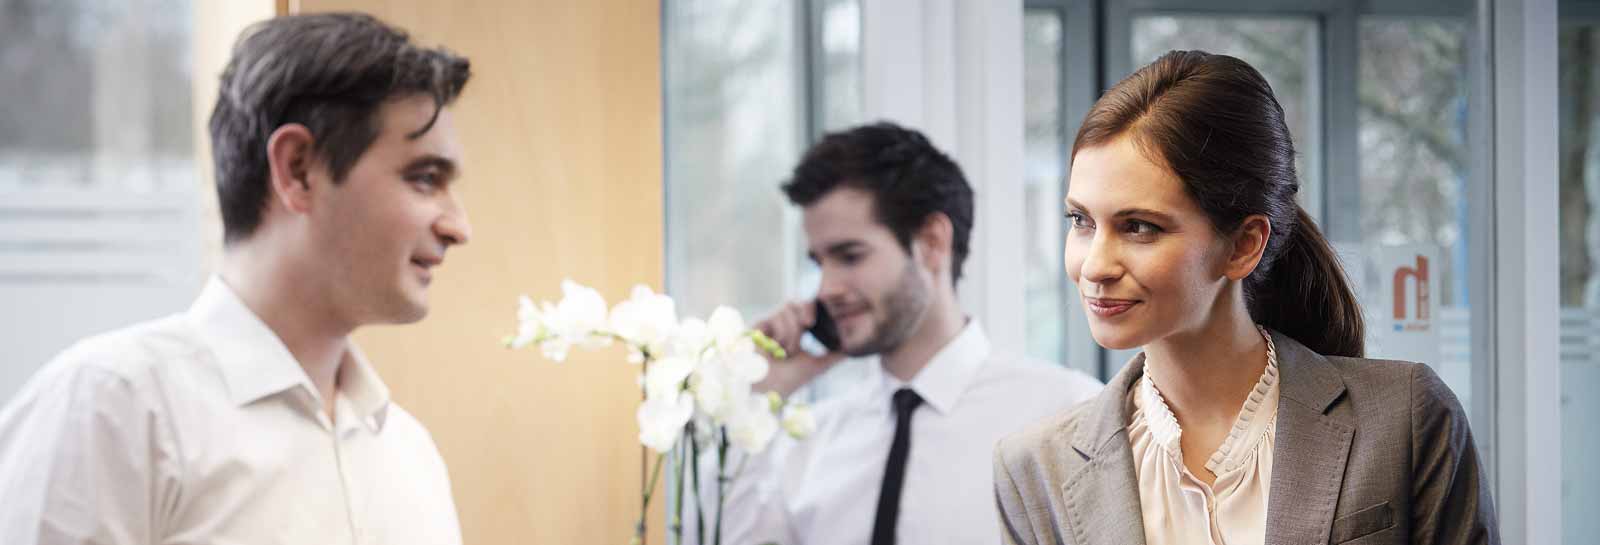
{"type": "Point", "coordinates": [1415, 173]}
{"type": "Point", "coordinates": [749, 85]}
{"type": "Point", "coordinates": [98, 202]}
{"type": "Point", "coordinates": [1044, 172]}
{"type": "Point", "coordinates": [736, 120]}
{"type": "Point", "coordinates": [1285, 51]}
{"type": "Point", "coordinates": [1579, 61]}
{"type": "Point", "coordinates": [837, 44]}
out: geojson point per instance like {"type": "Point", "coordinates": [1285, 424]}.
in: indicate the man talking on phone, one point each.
{"type": "Point", "coordinates": [904, 456]}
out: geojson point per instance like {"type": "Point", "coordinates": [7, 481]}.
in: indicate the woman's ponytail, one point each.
{"type": "Point", "coordinates": [1304, 294]}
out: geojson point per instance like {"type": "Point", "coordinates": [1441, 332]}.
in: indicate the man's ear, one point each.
{"type": "Point", "coordinates": [290, 152]}
{"type": "Point", "coordinates": [1246, 246]}
{"type": "Point", "coordinates": [935, 239]}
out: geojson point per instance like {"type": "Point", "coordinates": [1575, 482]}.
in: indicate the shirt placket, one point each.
{"type": "Point", "coordinates": [1208, 498]}
{"type": "Point", "coordinates": [346, 450]}
{"type": "Point", "coordinates": [314, 404]}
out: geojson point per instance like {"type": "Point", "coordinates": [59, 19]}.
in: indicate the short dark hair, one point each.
{"type": "Point", "coordinates": [330, 72]}
{"type": "Point", "coordinates": [908, 178]}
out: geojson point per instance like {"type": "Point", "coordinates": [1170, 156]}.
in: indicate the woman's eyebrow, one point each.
{"type": "Point", "coordinates": [1126, 212]}
{"type": "Point", "coordinates": [1146, 212]}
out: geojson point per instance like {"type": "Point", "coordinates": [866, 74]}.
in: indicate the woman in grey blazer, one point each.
{"type": "Point", "coordinates": [1250, 416]}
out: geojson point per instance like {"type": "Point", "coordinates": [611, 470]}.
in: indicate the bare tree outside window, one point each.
{"type": "Point", "coordinates": [1413, 118]}
{"type": "Point", "coordinates": [98, 188]}
{"type": "Point", "coordinates": [1579, 138]}
{"type": "Point", "coordinates": [1580, 173]}
{"type": "Point", "coordinates": [98, 93]}
{"type": "Point", "coordinates": [1283, 49]}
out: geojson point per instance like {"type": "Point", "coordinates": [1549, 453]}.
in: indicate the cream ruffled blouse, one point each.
{"type": "Point", "coordinates": [1178, 507]}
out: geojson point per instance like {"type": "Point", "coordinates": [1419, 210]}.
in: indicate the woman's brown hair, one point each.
{"type": "Point", "coordinates": [1212, 119]}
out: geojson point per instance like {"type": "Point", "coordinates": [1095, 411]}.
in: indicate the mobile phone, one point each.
{"type": "Point", "coordinates": [824, 330]}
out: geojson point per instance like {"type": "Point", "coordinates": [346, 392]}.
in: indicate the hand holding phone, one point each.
{"type": "Point", "coordinates": [823, 329]}
{"type": "Point", "coordinates": [786, 326]}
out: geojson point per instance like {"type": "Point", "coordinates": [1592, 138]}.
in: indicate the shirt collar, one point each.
{"type": "Point", "coordinates": [255, 363]}
{"type": "Point", "coordinates": [941, 382]}
{"type": "Point", "coordinates": [1253, 422]}
{"type": "Point", "coordinates": [367, 393]}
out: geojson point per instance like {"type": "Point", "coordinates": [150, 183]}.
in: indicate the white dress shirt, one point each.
{"type": "Point", "coordinates": [823, 490]}
{"type": "Point", "coordinates": [1178, 507]}
{"type": "Point", "coordinates": [201, 428]}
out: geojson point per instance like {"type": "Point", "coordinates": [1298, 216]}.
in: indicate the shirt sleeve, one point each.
{"type": "Point", "coordinates": [753, 511]}
{"type": "Point", "coordinates": [82, 461]}
{"type": "Point", "coordinates": [1450, 491]}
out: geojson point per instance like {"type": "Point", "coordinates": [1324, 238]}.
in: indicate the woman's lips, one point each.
{"type": "Point", "coordinates": [1106, 308]}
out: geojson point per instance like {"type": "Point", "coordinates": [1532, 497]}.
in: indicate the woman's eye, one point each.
{"type": "Point", "coordinates": [1142, 228]}
{"type": "Point", "coordinates": [1078, 221]}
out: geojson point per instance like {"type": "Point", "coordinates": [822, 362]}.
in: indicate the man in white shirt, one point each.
{"type": "Point", "coordinates": [905, 456]}
{"type": "Point", "coordinates": [252, 418]}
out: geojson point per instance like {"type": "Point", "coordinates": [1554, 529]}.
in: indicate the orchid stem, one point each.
{"type": "Point", "coordinates": [722, 477]}
{"type": "Point", "coordinates": [677, 515]}
{"type": "Point", "coordinates": [644, 504]}
{"type": "Point", "coordinates": [694, 472]}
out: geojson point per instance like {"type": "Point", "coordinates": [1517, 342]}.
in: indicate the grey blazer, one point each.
{"type": "Point", "coordinates": [1367, 452]}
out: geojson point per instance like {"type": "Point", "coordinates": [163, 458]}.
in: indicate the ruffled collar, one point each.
{"type": "Point", "coordinates": [1253, 424]}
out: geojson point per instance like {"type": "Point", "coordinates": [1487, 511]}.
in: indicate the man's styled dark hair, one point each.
{"type": "Point", "coordinates": [908, 178]}
{"type": "Point", "coordinates": [330, 72]}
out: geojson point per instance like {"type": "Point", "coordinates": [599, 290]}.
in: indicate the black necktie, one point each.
{"type": "Point", "coordinates": [894, 474]}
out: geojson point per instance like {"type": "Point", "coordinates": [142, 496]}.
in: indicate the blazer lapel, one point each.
{"type": "Point", "coordinates": [1102, 499]}
{"type": "Point", "coordinates": [1311, 447]}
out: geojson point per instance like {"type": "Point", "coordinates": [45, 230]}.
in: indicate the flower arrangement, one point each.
{"type": "Point", "coordinates": [697, 376]}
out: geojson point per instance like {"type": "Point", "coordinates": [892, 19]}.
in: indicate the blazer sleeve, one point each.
{"type": "Point", "coordinates": [1450, 491]}
{"type": "Point", "coordinates": [1015, 528]}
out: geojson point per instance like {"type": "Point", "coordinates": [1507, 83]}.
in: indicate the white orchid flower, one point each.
{"type": "Point", "coordinates": [708, 392]}
{"type": "Point", "coordinates": [530, 326]}
{"type": "Point", "coordinates": [798, 421]}
{"type": "Point", "coordinates": [662, 420]}
{"type": "Point", "coordinates": [581, 316]}
{"type": "Point", "coordinates": [723, 380]}
{"type": "Point", "coordinates": [555, 348]}
{"type": "Point", "coordinates": [699, 371]}
{"type": "Point", "coordinates": [751, 429]}
{"type": "Point", "coordinates": [717, 391]}
{"type": "Point", "coordinates": [647, 319]}
{"type": "Point", "coordinates": [728, 330]}
{"type": "Point", "coordinates": [745, 365]}
{"type": "Point", "coordinates": [664, 378]}
{"type": "Point", "coordinates": [553, 343]}
{"type": "Point", "coordinates": [690, 339]}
